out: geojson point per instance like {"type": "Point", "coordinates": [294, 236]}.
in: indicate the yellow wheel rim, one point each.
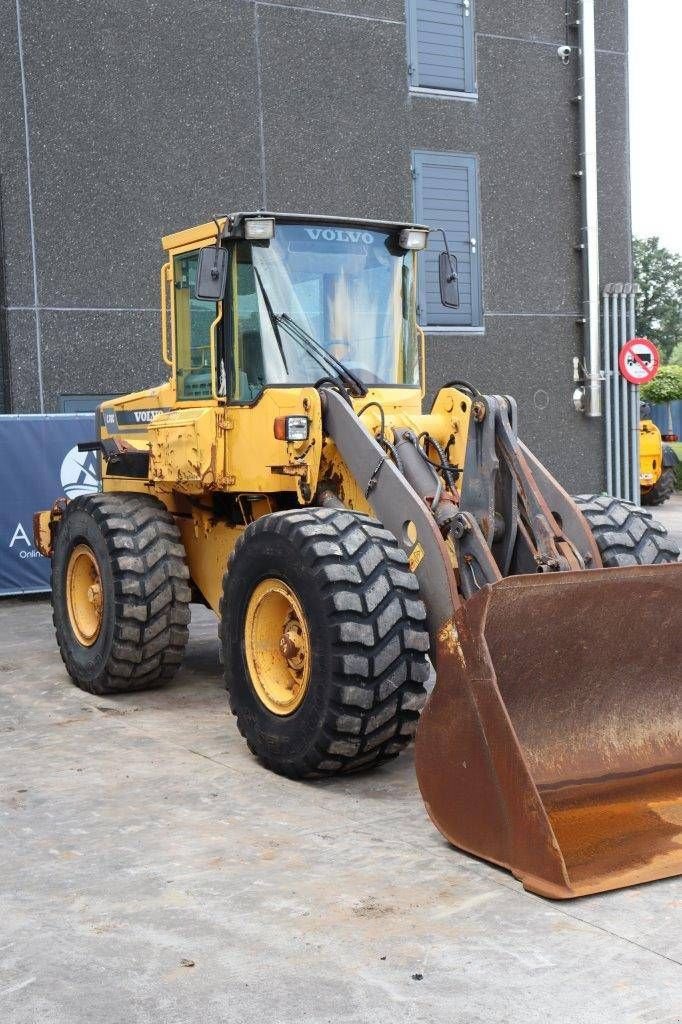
{"type": "Point", "coordinates": [277, 645]}
{"type": "Point", "coordinates": [84, 595]}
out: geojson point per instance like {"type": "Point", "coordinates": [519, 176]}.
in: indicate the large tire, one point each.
{"type": "Point", "coordinates": [368, 641]}
{"type": "Point", "coordinates": [133, 546]}
{"type": "Point", "coordinates": [663, 489]}
{"type": "Point", "coordinates": [626, 534]}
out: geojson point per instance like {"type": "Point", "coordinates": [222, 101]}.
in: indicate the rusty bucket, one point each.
{"type": "Point", "coordinates": [552, 742]}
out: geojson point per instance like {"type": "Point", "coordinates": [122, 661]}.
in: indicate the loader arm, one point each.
{"type": "Point", "coordinates": [551, 536]}
{"type": "Point", "coordinates": [502, 480]}
{"type": "Point", "coordinates": [397, 505]}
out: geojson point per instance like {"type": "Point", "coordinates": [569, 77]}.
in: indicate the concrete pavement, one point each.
{"type": "Point", "coordinates": [154, 873]}
{"type": "Point", "coordinates": [670, 515]}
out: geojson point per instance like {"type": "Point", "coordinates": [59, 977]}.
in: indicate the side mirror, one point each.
{"type": "Point", "coordinates": [211, 274]}
{"type": "Point", "coordinates": [448, 279]}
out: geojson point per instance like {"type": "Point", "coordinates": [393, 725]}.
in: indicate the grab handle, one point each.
{"type": "Point", "coordinates": [165, 279]}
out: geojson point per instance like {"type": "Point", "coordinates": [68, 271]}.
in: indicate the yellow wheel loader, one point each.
{"type": "Point", "coordinates": [351, 543]}
{"type": "Point", "coordinates": [658, 464]}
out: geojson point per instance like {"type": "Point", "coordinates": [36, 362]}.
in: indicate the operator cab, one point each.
{"type": "Point", "coordinates": [290, 300]}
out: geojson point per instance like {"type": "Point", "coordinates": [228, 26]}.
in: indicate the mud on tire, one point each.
{"type": "Point", "coordinates": [626, 534]}
{"type": "Point", "coordinates": [368, 637]}
{"type": "Point", "coordinates": [145, 589]}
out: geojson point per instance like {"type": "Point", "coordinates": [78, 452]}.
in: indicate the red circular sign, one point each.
{"type": "Point", "coordinates": [639, 360]}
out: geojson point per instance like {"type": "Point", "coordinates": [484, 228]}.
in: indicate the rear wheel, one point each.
{"type": "Point", "coordinates": [626, 534]}
{"type": "Point", "coordinates": [663, 489]}
{"type": "Point", "coordinates": [324, 642]}
{"type": "Point", "coordinates": [120, 592]}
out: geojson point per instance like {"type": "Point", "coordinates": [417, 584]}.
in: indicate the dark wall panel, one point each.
{"type": "Point", "coordinates": [106, 353]}
{"type": "Point", "coordinates": [333, 116]}
{"type": "Point", "coordinates": [614, 168]}
{"type": "Point", "coordinates": [611, 18]}
{"type": "Point", "coordinates": [523, 19]}
{"type": "Point", "coordinates": [143, 120]}
{"type": "Point", "coordinates": [528, 154]}
{"type": "Point", "coordinates": [373, 10]}
{"type": "Point", "coordinates": [13, 168]}
{"type": "Point", "coordinates": [24, 390]}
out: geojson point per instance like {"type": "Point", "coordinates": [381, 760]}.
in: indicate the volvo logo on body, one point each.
{"type": "Point", "coordinates": [146, 415]}
{"type": "Point", "coordinates": [118, 421]}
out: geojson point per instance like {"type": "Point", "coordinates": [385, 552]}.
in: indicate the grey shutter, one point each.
{"type": "Point", "coordinates": [446, 196]}
{"type": "Point", "coordinates": [441, 44]}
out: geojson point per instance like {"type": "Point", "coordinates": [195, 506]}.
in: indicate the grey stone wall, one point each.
{"type": "Point", "coordinates": [137, 119]}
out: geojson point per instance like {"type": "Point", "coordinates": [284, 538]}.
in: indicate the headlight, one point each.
{"type": "Point", "coordinates": [413, 238]}
{"type": "Point", "coordinates": [257, 228]}
{"type": "Point", "coordinates": [292, 428]}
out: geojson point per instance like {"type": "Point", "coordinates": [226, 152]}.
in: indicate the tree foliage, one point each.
{"type": "Point", "coordinates": [658, 273]}
{"type": "Point", "coordinates": [675, 358]}
{"type": "Point", "coordinates": [665, 387]}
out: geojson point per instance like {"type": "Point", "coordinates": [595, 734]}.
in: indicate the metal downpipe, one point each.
{"type": "Point", "coordinates": [617, 421]}
{"type": "Point", "coordinates": [634, 406]}
{"type": "Point", "coordinates": [608, 393]}
{"type": "Point", "coordinates": [587, 90]}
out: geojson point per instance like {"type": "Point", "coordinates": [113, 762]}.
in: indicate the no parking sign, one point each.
{"type": "Point", "coordinates": [639, 361]}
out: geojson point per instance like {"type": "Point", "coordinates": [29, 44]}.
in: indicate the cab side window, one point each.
{"type": "Point", "coordinates": [193, 319]}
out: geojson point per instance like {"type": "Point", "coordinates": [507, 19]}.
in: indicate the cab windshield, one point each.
{"type": "Point", "coordinates": [349, 288]}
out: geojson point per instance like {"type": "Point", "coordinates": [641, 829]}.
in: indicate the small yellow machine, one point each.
{"type": "Point", "coordinates": [657, 465]}
{"type": "Point", "coordinates": [350, 543]}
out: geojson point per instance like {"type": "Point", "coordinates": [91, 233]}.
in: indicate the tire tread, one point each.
{"type": "Point", "coordinates": [625, 533]}
{"type": "Point", "coordinates": [151, 588]}
{"type": "Point", "coordinates": [380, 645]}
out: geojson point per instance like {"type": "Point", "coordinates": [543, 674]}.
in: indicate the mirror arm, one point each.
{"type": "Point", "coordinates": [215, 273]}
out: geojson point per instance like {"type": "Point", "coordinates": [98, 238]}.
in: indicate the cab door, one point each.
{"type": "Point", "coordinates": [195, 333]}
{"type": "Point", "coordinates": [188, 445]}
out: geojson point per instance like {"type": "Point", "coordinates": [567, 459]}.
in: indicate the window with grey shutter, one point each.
{"type": "Point", "coordinates": [446, 196]}
{"type": "Point", "coordinates": [441, 45]}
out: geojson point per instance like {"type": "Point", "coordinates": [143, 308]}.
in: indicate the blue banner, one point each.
{"type": "Point", "coordinates": [659, 414]}
{"type": "Point", "coordinates": [39, 462]}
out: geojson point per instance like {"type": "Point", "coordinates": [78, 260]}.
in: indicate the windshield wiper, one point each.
{"type": "Point", "coordinates": [318, 351]}
{"type": "Point", "coordinates": [273, 319]}
{"type": "Point", "coordinates": [311, 345]}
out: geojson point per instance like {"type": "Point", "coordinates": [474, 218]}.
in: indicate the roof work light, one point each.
{"type": "Point", "coordinates": [258, 228]}
{"type": "Point", "coordinates": [413, 238]}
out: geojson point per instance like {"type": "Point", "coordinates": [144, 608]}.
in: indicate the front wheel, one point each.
{"type": "Point", "coordinates": [120, 592]}
{"type": "Point", "coordinates": [324, 642]}
{"type": "Point", "coordinates": [626, 534]}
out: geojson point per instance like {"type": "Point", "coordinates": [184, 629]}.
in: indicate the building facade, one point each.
{"type": "Point", "coordinates": [124, 121]}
